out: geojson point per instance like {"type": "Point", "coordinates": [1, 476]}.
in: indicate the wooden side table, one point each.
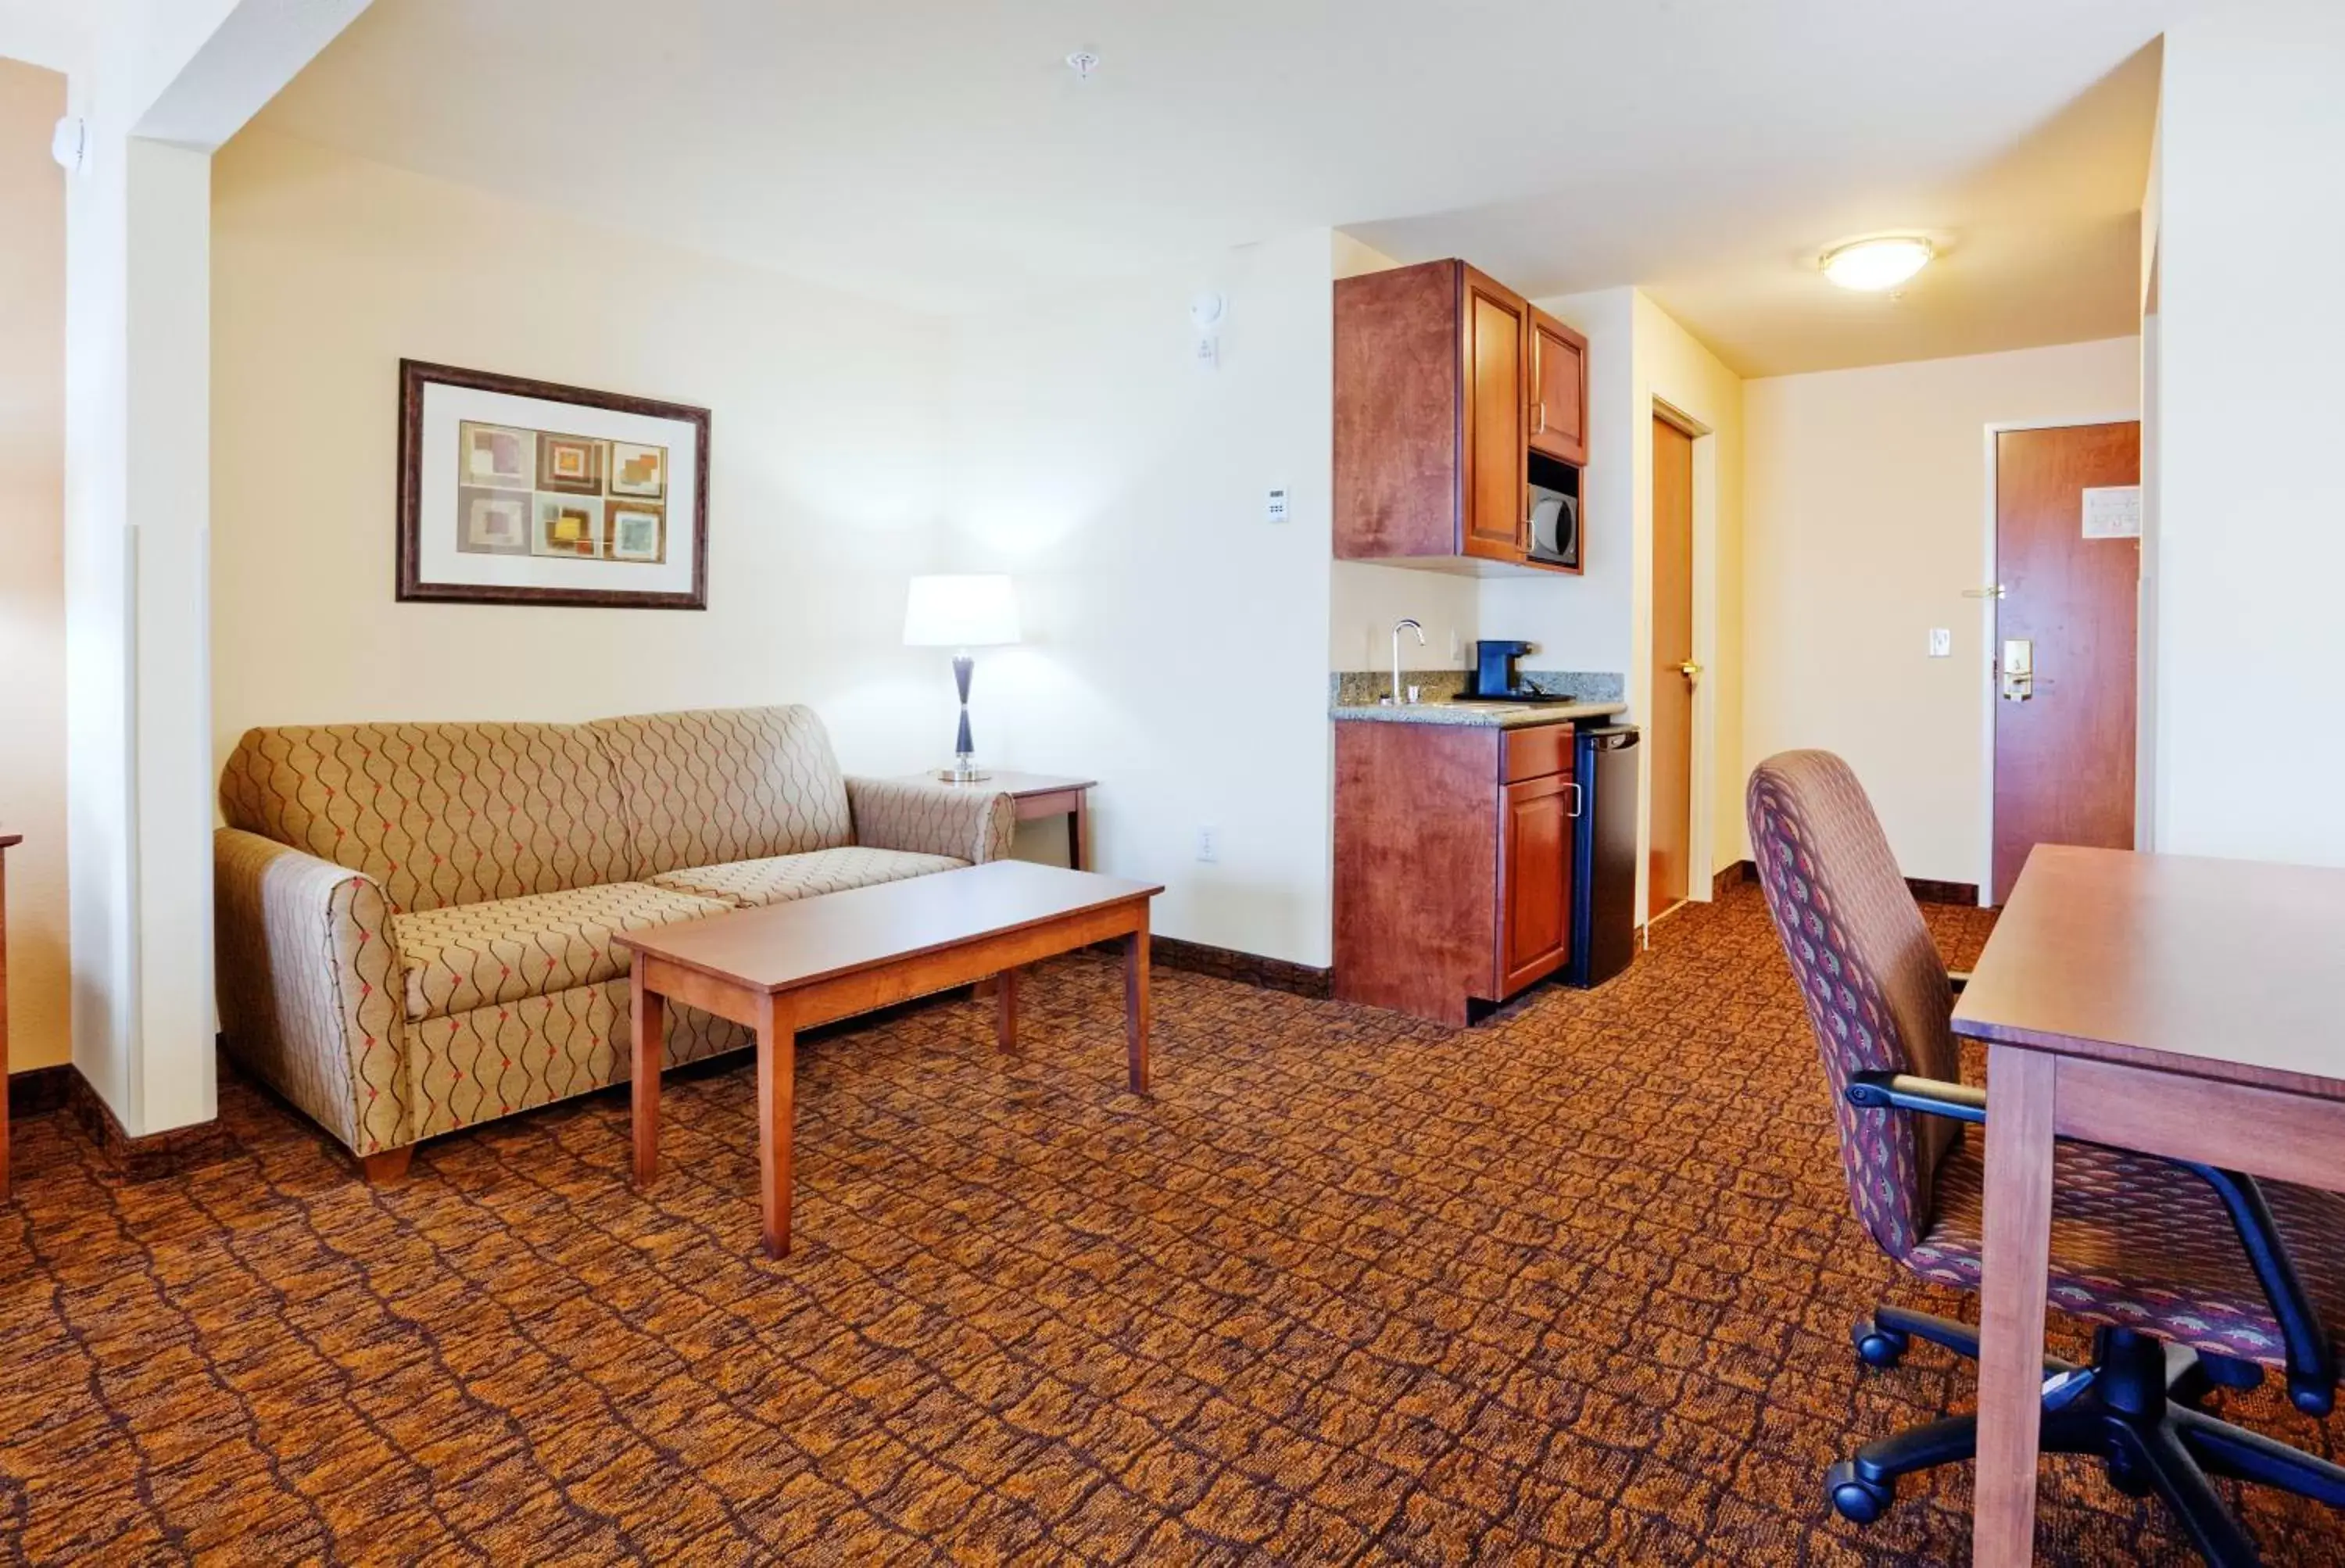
{"type": "Point", "coordinates": [6, 841]}
{"type": "Point", "coordinates": [1040, 795]}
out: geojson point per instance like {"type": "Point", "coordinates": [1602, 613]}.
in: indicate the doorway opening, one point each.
{"type": "Point", "coordinates": [2062, 623]}
{"type": "Point", "coordinates": [1676, 847]}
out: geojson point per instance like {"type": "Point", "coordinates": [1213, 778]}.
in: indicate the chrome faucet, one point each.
{"type": "Point", "coordinates": [1396, 699]}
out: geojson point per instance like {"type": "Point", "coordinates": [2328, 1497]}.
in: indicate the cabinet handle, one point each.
{"type": "Point", "coordinates": [1573, 785]}
{"type": "Point", "coordinates": [1539, 412]}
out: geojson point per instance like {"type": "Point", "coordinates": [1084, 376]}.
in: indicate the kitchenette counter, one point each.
{"type": "Point", "coordinates": [1356, 695]}
{"type": "Point", "coordinates": [1493, 714]}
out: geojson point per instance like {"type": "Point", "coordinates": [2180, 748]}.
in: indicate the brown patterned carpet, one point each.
{"type": "Point", "coordinates": [1573, 1286]}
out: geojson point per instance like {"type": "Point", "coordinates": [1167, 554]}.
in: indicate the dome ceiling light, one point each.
{"type": "Point", "coordinates": [1870, 266]}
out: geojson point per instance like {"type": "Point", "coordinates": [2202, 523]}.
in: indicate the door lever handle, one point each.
{"type": "Point", "coordinates": [1689, 669]}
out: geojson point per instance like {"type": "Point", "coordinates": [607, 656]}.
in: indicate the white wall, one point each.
{"type": "Point", "coordinates": [2250, 646]}
{"type": "Point", "coordinates": [1867, 511]}
{"type": "Point", "coordinates": [1177, 641]}
{"type": "Point", "coordinates": [827, 472]}
{"type": "Point", "coordinates": [137, 523]}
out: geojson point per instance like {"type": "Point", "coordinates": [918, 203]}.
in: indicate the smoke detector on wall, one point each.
{"type": "Point", "coordinates": [68, 141]}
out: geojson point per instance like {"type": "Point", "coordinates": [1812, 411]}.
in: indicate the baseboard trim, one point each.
{"type": "Point", "coordinates": [148, 1158]}
{"type": "Point", "coordinates": [1924, 889]}
{"type": "Point", "coordinates": [37, 1091]}
{"type": "Point", "coordinates": [1245, 968]}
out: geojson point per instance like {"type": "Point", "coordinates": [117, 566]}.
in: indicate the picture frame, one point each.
{"type": "Point", "coordinates": [514, 490]}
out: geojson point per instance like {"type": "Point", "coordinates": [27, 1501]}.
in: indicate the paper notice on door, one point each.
{"type": "Point", "coordinates": [2113, 511]}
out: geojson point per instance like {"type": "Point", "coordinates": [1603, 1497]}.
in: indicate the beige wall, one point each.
{"type": "Point", "coordinates": [32, 589]}
{"type": "Point", "coordinates": [826, 468]}
{"type": "Point", "coordinates": [1866, 497]}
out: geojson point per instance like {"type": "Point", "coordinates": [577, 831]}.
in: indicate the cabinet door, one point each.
{"type": "Point", "coordinates": [1558, 390]}
{"type": "Point", "coordinates": [1492, 330]}
{"type": "Point", "coordinates": [1533, 880]}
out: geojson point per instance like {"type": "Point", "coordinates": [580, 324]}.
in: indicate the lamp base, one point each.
{"type": "Point", "coordinates": [960, 775]}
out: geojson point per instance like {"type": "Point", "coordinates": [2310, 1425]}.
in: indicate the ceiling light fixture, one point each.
{"type": "Point", "coordinates": [1873, 265]}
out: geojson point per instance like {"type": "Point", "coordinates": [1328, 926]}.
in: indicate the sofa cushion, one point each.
{"type": "Point", "coordinates": [725, 784]}
{"type": "Point", "coordinates": [781, 877]}
{"type": "Point", "coordinates": [475, 955]}
{"type": "Point", "coordinates": [438, 814]}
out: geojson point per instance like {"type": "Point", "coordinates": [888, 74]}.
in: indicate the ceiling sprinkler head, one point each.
{"type": "Point", "coordinates": [1083, 62]}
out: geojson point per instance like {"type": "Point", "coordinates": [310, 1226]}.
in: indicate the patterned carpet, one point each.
{"type": "Point", "coordinates": [1572, 1287]}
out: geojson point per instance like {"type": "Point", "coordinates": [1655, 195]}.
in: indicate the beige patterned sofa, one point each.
{"type": "Point", "coordinates": [415, 919]}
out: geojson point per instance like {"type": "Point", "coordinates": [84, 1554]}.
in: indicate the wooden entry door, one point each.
{"type": "Point", "coordinates": [1669, 725]}
{"type": "Point", "coordinates": [2064, 758]}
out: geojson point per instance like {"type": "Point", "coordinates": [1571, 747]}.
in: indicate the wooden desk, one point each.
{"type": "Point", "coordinates": [2176, 1006]}
{"type": "Point", "coordinates": [788, 967]}
{"type": "Point", "coordinates": [1040, 795]}
{"type": "Point", "coordinates": [7, 842]}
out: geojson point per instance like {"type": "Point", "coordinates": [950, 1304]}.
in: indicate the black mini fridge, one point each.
{"type": "Point", "coordinates": [1604, 848]}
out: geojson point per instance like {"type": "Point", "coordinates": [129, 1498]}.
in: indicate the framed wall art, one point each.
{"type": "Point", "coordinates": [515, 492]}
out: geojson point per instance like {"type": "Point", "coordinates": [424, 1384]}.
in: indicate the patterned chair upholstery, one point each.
{"type": "Point", "coordinates": [416, 921]}
{"type": "Point", "coordinates": [2145, 1249]}
{"type": "Point", "coordinates": [2136, 1242]}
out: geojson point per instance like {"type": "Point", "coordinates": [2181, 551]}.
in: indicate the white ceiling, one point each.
{"type": "Point", "coordinates": [939, 151]}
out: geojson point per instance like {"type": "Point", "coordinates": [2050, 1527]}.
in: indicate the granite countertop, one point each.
{"type": "Point", "coordinates": [1494, 715]}
{"type": "Point", "coordinates": [1353, 696]}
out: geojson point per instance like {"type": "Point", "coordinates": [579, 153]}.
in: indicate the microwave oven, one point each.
{"type": "Point", "coordinates": [1554, 526]}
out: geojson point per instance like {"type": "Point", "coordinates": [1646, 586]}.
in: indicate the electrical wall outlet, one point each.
{"type": "Point", "coordinates": [1208, 843]}
{"type": "Point", "coordinates": [1941, 642]}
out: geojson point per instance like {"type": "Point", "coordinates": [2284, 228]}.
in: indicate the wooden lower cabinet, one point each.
{"type": "Point", "coordinates": [1452, 864]}
{"type": "Point", "coordinates": [1535, 882]}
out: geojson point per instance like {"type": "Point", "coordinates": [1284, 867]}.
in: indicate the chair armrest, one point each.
{"type": "Point", "coordinates": [1904, 1092]}
{"type": "Point", "coordinates": [2311, 1358]}
{"type": "Point", "coordinates": [929, 819]}
{"type": "Point", "coordinates": [1958, 979]}
{"type": "Point", "coordinates": [311, 986]}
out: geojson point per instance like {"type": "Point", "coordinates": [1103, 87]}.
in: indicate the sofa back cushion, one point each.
{"type": "Point", "coordinates": [725, 784]}
{"type": "Point", "coordinates": [438, 814]}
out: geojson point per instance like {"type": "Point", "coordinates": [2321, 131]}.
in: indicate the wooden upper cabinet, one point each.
{"type": "Point", "coordinates": [1490, 365]}
{"type": "Point", "coordinates": [1435, 415]}
{"type": "Point", "coordinates": [1558, 390]}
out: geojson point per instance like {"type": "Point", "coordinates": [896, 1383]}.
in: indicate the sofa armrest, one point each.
{"type": "Point", "coordinates": [926, 818]}
{"type": "Point", "coordinates": [310, 989]}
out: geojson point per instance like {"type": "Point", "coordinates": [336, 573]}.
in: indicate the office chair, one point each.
{"type": "Point", "coordinates": [2195, 1278]}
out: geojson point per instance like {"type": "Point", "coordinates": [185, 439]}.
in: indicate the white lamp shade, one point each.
{"type": "Point", "coordinates": [960, 611]}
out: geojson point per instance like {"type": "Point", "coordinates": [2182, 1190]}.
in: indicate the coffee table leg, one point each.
{"type": "Point", "coordinates": [1005, 1010]}
{"type": "Point", "coordinates": [777, 1053]}
{"type": "Point", "coordinates": [1136, 1007]}
{"type": "Point", "coordinates": [648, 1010]}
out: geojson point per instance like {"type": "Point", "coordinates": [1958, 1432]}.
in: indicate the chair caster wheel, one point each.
{"type": "Point", "coordinates": [1878, 1346]}
{"type": "Point", "coordinates": [1855, 1499]}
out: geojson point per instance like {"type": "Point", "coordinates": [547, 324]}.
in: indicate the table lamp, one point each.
{"type": "Point", "coordinates": [961, 611]}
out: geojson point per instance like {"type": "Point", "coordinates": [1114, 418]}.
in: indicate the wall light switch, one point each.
{"type": "Point", "coordinates": [1209, 846]}
{"type": "Point", "coordinates": [1941, 642]}
{"type": "Point", "coordinates": [1275, 511]}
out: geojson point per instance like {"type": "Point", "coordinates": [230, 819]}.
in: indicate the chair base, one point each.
{"type": "Point", "coordinates": [2135, 1408]}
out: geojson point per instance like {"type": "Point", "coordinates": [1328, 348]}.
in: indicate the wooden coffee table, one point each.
{"type": "Point", "coordinates": [789, 967]}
